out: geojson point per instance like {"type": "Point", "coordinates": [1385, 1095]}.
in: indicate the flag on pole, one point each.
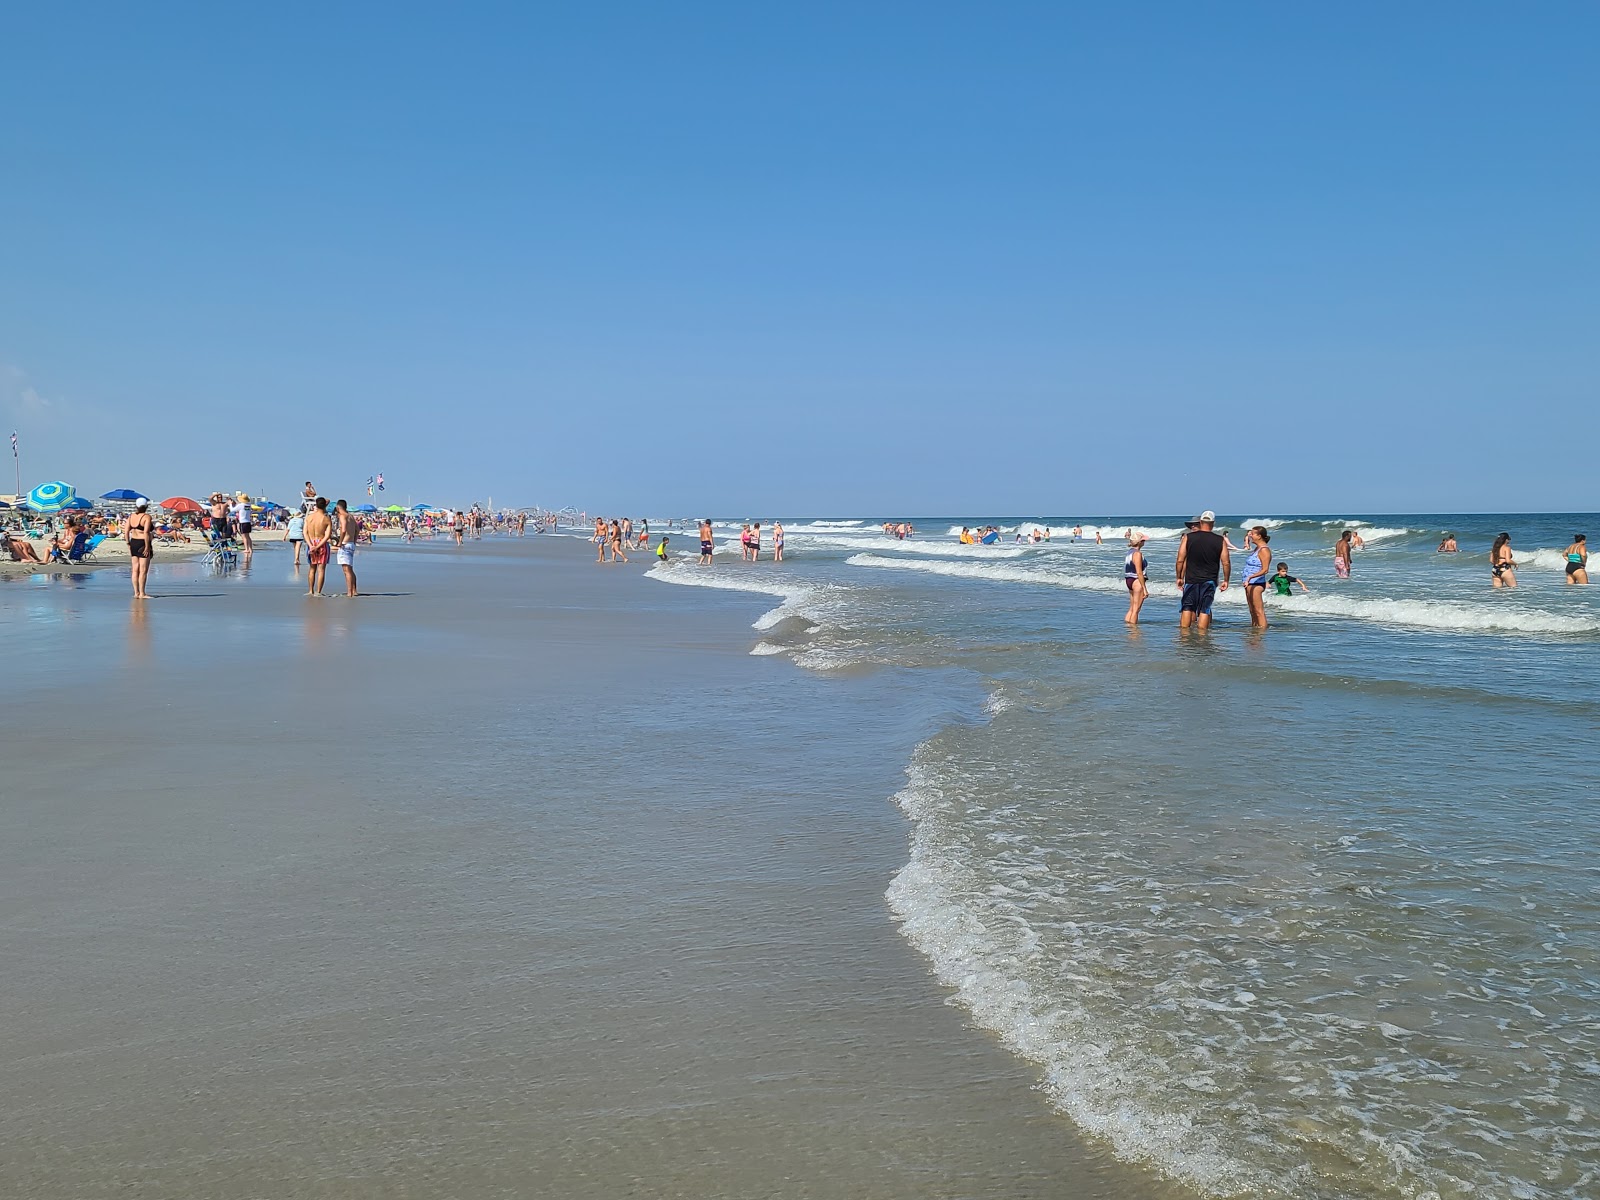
{"type": "Point", "coordinates": [13, 445]}
{"type": "Point", "coordinates": [380, 480]}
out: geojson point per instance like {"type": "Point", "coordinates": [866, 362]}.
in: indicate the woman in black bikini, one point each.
{"type": "Point", "coordinates": [139, 533]}
{"type": "Point", "coordinates": [1502, 567]}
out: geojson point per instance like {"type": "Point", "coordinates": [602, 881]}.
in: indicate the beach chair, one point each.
{"type": "Point", "coordinates": [221, 555]}
{"type": "Point", "coordinates": [85, 551]}
{"type": "Point", "coordinates": [74, 552]}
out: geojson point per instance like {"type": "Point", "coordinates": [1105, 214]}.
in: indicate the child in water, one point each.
{"type": "Point", "coordinates": [1283, 582]}
{"type": "Point", "coordinates": [661, 550]}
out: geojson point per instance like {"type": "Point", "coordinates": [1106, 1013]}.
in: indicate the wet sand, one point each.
{"type": "Point", "coordinates": [519, 877]}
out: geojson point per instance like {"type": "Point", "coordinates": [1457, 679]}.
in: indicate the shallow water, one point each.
{"type": "Point", "coordinates": [1313, 912]}
{"type": "Point", "coordinates": [518, 878]}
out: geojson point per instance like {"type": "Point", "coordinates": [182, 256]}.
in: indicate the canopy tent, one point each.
{"type": "Point", "coordinates": [366, 508]}
{"type": "Point", "coordinates": [394, 508]}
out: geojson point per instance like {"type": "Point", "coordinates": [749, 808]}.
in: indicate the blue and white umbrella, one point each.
{"type": "Point", "coordinates": [50, 497]}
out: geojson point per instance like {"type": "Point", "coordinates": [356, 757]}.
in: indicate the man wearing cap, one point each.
{"type": "Point", "coordinates": [1203, 570]}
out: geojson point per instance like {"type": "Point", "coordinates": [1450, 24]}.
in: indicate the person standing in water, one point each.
{"type": "Point", "coordinates": [319, 532]}
{"type": "Point", "coordinates": [1203, 569]}
{"type": "Point", "coordinates": [1578, 559]}
{"type": "Point", "coordinates": [1502, 566]}
{"type": "Point", "coordinates": [349, 535]}
{"type": "Point", "coordinates": [1133, 567]}
{"type": "Point", "coordinates": [1255, 574]}
{"type": "Point", "coordinates": [707, 545]}
{"type": "Point", "coordinates": [777, 542]}
{"type": "Point", "coordinates": [1341, 555]}
{"type": "Point", "coordinates": [139, 534]}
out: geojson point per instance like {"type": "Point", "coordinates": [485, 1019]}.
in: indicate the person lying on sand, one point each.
{"type": "Point", "coordinates": [21, 549]}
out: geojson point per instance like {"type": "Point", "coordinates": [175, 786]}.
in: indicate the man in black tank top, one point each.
{"type": "Point", "coordinates": [1203, 570]}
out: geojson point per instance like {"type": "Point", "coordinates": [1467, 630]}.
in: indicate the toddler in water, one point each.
{"type": "Point", "coordinates": [661, 550]}
{"type": "Point", "coordinates": [1283, 582]}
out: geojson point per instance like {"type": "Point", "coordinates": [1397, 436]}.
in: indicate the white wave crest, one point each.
{"type": "Point", "coordinates": [1495, 615]}
{"type": "Point", "coordinates": [1085, 1069]}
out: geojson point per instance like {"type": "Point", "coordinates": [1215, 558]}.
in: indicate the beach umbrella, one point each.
{"type": "Point", "coordinates": [422, 508]}
{"type": "Point", "coordinates": [121, 494]}
{"type": "Point", "coordinates": [78, 502]}
{"type": "Point", "coordinates": [395, 508]}
{"type": "Point", "coordinates": [182, 504]}
{"type": "Point", "coordinates": [366, 508]}
{"type": "Point", "coordinates": [50, 497]}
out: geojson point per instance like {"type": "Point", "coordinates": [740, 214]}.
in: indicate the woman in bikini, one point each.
{"type": "Point", "coordinates": [1502, 567]}
{"type": "Point", "coordinates": [139, 533]}
{"type": "Point", "coordinates": [1578, 559]}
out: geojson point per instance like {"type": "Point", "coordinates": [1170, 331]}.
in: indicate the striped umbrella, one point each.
{"type": "Point", "coordinates": [50, 497]}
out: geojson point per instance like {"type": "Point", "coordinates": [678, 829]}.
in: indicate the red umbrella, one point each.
{"type": "Point", "coordinates": [182, 504]}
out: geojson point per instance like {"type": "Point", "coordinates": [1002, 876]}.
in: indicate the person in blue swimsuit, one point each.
{"type": "Point", "coordinates": [1256, 565]}
{"type": "Point", "coordinates": [1133, 576]}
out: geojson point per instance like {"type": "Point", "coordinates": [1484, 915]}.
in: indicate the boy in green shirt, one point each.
{"type": "Point", "coordinates": [1283, 582]}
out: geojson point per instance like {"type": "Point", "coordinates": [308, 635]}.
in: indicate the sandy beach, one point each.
{"type": "Point", "coordinates": [520, 877]}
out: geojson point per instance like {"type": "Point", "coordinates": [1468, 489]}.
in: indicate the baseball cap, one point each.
{"type": "Point", "coordinates": [141, 502]}
{"type": "Point", "coordinates": [1206, 518]}
{"type": "Point", "coordinates": [1137, 539]}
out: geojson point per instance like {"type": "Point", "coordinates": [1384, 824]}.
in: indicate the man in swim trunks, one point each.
{"type": "Point", "coordinates": [319, 532]}
{"type": "Point", "coordinates": [1341, 555]}
{"type": "Point", "coordinates": [1203, 569]}
{"type": "Point", "coordinates": [349, 535]}
{"type": "Point", "coordinates": [706, 543]}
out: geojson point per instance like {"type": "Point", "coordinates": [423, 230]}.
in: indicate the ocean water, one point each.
{"type": "Point", "coordinates": [1313, 912]}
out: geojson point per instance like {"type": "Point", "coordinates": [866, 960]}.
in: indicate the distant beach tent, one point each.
{"type": "Point", "coordinates": [50, 497]}
{"type": "Point", "coordinates": [182, 504]}
{"type": "Point", "coordinates": [122, 494]}
{"type": "Point", "coordinates": [366, 508]}
{"type": "Point", "coordinates": [394, 508]}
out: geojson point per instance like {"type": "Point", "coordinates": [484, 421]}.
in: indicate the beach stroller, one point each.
{"type": "Point", "coordinates": [221, 554]}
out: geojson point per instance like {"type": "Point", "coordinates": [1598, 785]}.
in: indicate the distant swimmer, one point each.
{"type": "Point", "coordinates": [1255, 574]}
{"type": "Point", "coordinates": [991, 536]}
{"type": "Point", "coordinates": [1283, 582]}
{"type": "Point", "coordinates": [1097, 538]}
{"type": "Point", "coordinates": [1341, 555]}
{"type": "Point", "coordinates": [706, 544]}
{"type": "Point", "coordinates": [1578, 559]}
{"type": "Point", "coordinates": [1077, 533]}
{"type": "Point", "coordinates": [966, 536]}
{"type": "Point", "coordinates": [1203, 569]}
{"type": "Point", "coordinates": [1356, 540]}
{"type": "Point", "coordinates": [1502, 566]}
{"type": "Point", "coordinates": [1447, 544]}
{"type": "Point", "coordinates": [1133, 568]}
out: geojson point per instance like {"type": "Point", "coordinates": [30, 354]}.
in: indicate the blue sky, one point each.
{"type": "Point", "coordinates": [811, 259]}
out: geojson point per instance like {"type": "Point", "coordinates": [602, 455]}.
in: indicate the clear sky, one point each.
{"type": "Point", "coordinates": [824, 258]}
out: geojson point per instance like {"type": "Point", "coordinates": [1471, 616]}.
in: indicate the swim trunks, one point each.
{"type": "Point", "coordinates": [318, 555]}
{"type": "Point", "coordinates": [1341, 568]}
{"type": "Point", "coordinates": [136, 548]}
{"type": "Point", "coordinates": [1198, 597]}
{"type": "Point", "coordinates": [705, 547]}
{"type": "Point", "coordinates": [347, 555]}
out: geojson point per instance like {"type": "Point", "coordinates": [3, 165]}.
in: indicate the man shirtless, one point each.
{"type": "Point", "coordinates": [349, 535]}
{"type": "Point", "coordinates": [706, 543]}
{"type": "Point", "coordinates": [319, 532]}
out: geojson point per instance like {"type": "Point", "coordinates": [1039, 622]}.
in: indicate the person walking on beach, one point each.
{"type": "Point", "coordinates": [243, 523]}
{"type": "Point", "coordinates": [1502, 566]}
{"type": "Point", "coordinates": [1578, 559]}
{"type": "Point", "coordinates": [618, 554]}
{"type": "Point", "coordinates": [1255, 574]}
{"type": "Point", "coordinates": [1203, 569]}
{"type": "Point", "coordinates": [1133, 568]}
{"type": "Point", "coordinates": [139, 535]}
{"type": "Point", "coordinates": [349, 535]}
{"type": "Point", "coordinates": [707, 545]}
{"type": "Point", "coordinates": [1341, 555]}
{"type": "Point", "coordinates": [319, 532]}
{"type": "Point", "coordinates": [295, 535]}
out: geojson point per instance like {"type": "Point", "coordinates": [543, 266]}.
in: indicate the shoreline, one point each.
{"type": "Point", "coordinates": [694, 983]}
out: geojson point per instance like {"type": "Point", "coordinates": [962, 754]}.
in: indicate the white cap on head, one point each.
{"type": "Point", "coordinates": [141, 502]}
{"type": "Point", "coordinates": [1206, 518]}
